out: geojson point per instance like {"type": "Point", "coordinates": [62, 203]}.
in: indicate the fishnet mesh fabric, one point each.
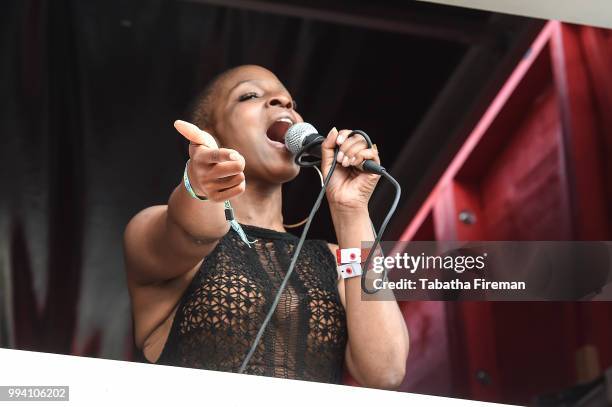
{"type": "Point", "coordinates": [222, 309]}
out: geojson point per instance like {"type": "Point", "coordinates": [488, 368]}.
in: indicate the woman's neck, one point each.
{"type": "Point", "coordinates": [260, 205]}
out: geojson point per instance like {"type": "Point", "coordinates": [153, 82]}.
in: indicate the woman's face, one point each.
{"type": "Point", "coordinates": [252, 112]}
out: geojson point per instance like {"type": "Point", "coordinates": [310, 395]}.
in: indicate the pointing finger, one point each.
{"type": "Point", "coordinates": [194, 134]}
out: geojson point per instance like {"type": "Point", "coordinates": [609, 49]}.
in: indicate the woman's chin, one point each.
{"type": "Point", "coordinates": [282, 171]}
{"type": "Point", "coordinates": [274, 165]}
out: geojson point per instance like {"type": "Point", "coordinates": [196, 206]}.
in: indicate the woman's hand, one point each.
{"type": "Point", "coordinates": [217, 173]}
{"type": "Point", "coordinates": [349, 188]}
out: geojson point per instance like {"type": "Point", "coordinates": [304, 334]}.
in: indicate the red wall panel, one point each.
{"type": "Point", "coordinates": [537, 167]}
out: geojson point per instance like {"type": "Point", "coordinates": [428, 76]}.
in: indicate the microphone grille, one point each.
{"type": "Point", "coordinates": [294, 138]}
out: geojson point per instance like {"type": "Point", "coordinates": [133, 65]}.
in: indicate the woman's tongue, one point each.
{"type": "Point", "coordinates": [277, 131]}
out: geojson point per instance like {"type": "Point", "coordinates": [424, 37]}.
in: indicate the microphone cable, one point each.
{"type": "Point", "coordinates": [298, 248]}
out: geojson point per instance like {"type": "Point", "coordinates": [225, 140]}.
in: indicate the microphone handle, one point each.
{"type": "Point", "coordinates": [370, 166]}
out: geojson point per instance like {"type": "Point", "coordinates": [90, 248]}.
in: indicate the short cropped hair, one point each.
{"type": "Point", "coordinates": [201, 112]}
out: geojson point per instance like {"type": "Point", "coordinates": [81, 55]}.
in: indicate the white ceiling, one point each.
{"type": "Point", "coordinates": [589, 12]}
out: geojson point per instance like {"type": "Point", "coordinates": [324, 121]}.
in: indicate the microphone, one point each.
{"type": "Point", "coordinates": [303, 138]}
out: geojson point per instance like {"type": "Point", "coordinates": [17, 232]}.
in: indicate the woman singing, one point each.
{"type": "Point", "coordinates": [200, 290]}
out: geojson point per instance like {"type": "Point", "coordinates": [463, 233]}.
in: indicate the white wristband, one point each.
{"type": "Point", "coordinates": [349, 270]}
{"type": "Point", "coordinates": [351, 255]}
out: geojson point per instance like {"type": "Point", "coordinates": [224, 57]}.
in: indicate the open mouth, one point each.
{"type": "Point", "coordinates": [276, 132]}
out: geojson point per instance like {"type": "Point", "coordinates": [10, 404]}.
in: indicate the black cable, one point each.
{"type": "Point", "coordinates": [313, 211]}
{"type": "Point", "coordinates": [378, 236]}
{"type": "Point", "coordinates": [298, 248]}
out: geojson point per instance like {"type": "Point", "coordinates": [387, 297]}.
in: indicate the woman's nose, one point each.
{"type": "Point", "coordinates": [280, 101]}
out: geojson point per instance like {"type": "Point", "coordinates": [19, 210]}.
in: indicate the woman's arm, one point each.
{"type": "Point", "coordinates": [164, 244]}
{"type": "Point", "coordinates": [378, 338]}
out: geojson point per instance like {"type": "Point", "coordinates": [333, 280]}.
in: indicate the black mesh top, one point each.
{"type": "Point", "coordinates": [222, 309]}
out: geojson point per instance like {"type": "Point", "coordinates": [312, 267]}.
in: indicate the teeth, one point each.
{"type": "Point", "coordinates": [286, 120]}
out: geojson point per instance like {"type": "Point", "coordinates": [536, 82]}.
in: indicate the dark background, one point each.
{"type": "Point", "coordinates": [91, 89]}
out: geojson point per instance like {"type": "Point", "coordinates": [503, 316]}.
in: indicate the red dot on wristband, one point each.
{"type": "Point", "coordinates": [348, 270]}
{"type": "Point", "coordinates": [352, 256]}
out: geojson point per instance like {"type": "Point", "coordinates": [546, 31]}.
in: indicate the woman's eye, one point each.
{"type": "Point", "coordinates": [247, 96]}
